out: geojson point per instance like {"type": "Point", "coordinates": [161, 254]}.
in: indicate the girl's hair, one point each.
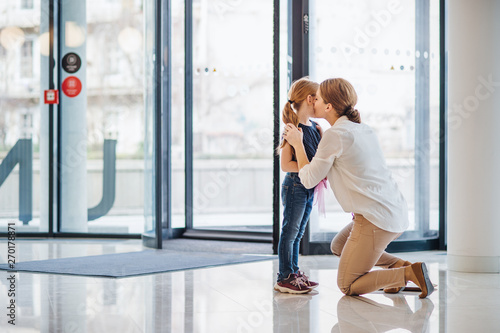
{"type": "Point", "coordinates": [342, 96]}
{"type": "Point", "coordinates": [297, 94]}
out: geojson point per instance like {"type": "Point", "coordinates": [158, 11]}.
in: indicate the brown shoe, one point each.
{"type": "Point", "coordinates": [400, 263]}
{"type": "Point", "coordinates": [394, 290]}
{"type": "Point", "coordinates": [423, 281]}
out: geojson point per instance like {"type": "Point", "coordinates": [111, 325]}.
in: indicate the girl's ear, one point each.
{"type": "Point", "coordinates": [310, 99]}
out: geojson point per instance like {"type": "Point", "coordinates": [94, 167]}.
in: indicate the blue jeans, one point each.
{"type": "Point", "coordinates": [297, 206]}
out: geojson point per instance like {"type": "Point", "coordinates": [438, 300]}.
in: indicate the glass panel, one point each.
{"type": "Point", "coordinates": [285, 78]}
{"type": "Point", "coordinates": [434, 82]}
{"type": "Point", "coordinates": [116, 110]}
{"type": "Point", "coordinates": [233, 115]}
{"type": "Point", "coordinates": [378, 56]}
{"type": "Point", "coordinates": [149, 107]}
{"type": "Point", "coordinates": [23, 117]}
{"type": "Point", "coordinates": [178, 151]}
{"type": "Point", "coordinates": [109, 139]}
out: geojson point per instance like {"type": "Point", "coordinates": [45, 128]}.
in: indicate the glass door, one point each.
{"type": "Point", "coordinates": [102, 117]}
{"type": "Point", "coordinates": [389, 51]}
{"type": "Point", "coordinates": [78, 116]}
{"type": "Point", "coordinates": [24, 131]}
{"type": "Point", "coordinates": [232, 115]}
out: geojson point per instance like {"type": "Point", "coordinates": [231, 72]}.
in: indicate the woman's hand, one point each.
{"type": "Point", "coordinates": [318, 127]}
{"type": "Point", "coordinates": [293, 135]}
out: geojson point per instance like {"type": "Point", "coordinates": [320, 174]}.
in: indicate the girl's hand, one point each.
{"type": "Point", "coordinates": [293, 135]}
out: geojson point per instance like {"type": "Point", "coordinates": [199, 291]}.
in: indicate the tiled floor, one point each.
{"type": "Point", "coordinates": [236, 298]}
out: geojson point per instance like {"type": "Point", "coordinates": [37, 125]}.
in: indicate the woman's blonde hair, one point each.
{"type": "Point", "coordinates": [299, 90]}
{"type": "Point", "coordinates": [342, 96]}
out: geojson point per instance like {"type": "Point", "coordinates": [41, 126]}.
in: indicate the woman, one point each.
{"type": "Point", "coordinates": [350, 156]}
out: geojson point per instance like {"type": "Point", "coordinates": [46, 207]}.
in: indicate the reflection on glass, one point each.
{"type": "Point", "coordinates": [233, 115]}
{"type": "Point", "coordinates": [362, 314]}
{"type": "Point", "coordinates": [372, 44]}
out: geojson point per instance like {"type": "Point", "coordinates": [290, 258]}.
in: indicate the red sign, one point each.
{"type": "Point", "coordinates": [51, 96]}
{"type": "Point", "coordinates": [72, 86]}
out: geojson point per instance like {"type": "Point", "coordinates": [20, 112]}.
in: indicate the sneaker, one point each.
{"type": "Point", "coordinates": [305, 279]}
{"type": "Point", "coordinates": [292, 284]}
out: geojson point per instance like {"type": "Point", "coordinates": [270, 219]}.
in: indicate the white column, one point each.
{"type": "Point", "coordinates": [74, 123]}
{"type": "Point", "coordinates": [474, 136]}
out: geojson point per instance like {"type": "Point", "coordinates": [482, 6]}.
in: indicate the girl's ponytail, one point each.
{"type": "Point", "coordinates": [288, 115]}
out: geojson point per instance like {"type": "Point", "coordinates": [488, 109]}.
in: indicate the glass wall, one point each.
{"type": "Point", "coordinates": [23, 194]}
{"type": "Point", "coordinates": [107, 131]}
{"type": "Point", "coordinates": [233, 114]}
{"type": "Point", "coordinates": [373, 45]}
{"type": "Point", "coordinates": [101, 130]}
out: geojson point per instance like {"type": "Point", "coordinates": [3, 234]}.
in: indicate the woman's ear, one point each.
{"type": "Point", "coordinates": [328, 108]}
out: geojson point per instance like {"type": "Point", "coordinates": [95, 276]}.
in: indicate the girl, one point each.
{"type": "Point", "coordinates": [349, 154]}
{"type": "Point", "coordinates": [297, 200]}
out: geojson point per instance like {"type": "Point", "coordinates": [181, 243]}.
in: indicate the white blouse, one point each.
{"type": "Point", "coordinates": [350, 156]}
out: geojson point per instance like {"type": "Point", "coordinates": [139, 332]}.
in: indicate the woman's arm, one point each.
{"type": "Point", "coordinates": [294, 136]}
{"type": "Point", "coordinates": [287, 165]}
{"type": "Point", "coordinates": [330, 147]}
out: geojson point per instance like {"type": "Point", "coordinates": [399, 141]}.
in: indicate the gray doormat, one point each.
{"type": "Point", "coordinates": [134, 263]}
{"type": "Point", "coordinates": [213, 246]}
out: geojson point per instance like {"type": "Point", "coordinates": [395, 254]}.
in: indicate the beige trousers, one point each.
{"type": "Point", "coordinates": [361, 245]}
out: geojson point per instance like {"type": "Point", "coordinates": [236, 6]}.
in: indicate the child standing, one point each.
{"type": "Point", "coordinates": [297, 200]}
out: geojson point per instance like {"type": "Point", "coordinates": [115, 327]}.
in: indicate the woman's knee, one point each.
{"type": "Point", "coordinates": [345, 289]}
{"type": "Point", "coordinates": [336, 247]}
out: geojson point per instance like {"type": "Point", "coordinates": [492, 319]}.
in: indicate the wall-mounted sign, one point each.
{"type": "Point", "coordinates": [51, 96]}
{"type": "Point", "coordinates": [72, 86]}
{"type": "Point", "coordinates": [71, 62]}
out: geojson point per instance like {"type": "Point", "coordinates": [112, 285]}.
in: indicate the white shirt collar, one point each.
{"type": "Point", "coordinates": [341, 120]}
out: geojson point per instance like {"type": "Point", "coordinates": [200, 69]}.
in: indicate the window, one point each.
{"type": "Point", "coordinates": [232, 112]}
{"type": "Point", "coordinates": [27, 4]}
{"type": "Point", "coordinates": [27, 59]}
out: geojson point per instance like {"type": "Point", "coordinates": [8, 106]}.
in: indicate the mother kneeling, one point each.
{"type": "Point", "coordinates": [350, 156]}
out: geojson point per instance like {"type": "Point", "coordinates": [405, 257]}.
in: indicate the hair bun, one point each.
{"type": "Point", "coordinates": [350, 110]}
{"type": "Point", "coordinates": [352, 114]}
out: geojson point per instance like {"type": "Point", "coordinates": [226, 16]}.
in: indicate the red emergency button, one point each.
{"type": "Point", "coordinates": [72, 86]}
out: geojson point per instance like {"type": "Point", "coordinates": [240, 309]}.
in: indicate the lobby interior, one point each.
{"type": "Point", "coordinates": [150, 126]}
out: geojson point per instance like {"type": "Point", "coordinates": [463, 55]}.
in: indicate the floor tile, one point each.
{"type": "Point", "coordinates": [238, 298]}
